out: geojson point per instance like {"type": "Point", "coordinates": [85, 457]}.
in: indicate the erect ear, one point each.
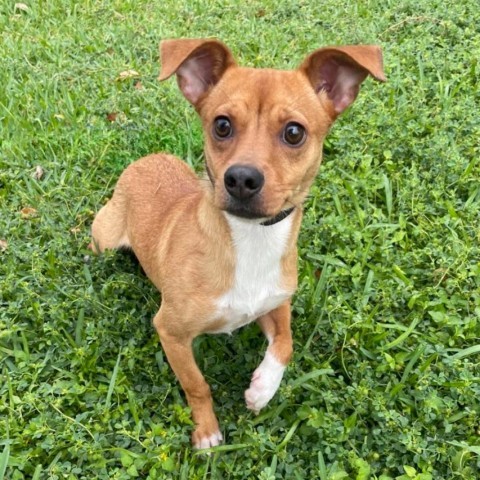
{"type": "Point", "coordinates": [339, 71]}
{"type": "Point", "coordinates": [198, 64]}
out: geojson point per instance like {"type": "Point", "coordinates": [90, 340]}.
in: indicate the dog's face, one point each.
{"type": "Point", "coordinates": [263, 139]}
{"type": "Point", "coordinates": [264, 129]}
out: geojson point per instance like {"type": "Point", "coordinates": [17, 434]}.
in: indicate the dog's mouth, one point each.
{"type": "Point", "coordinates": [244, 210]}
{"type": "Point", "coordinates": [263, 220]}
{"type": "Point", "coordinates": [248, 212]}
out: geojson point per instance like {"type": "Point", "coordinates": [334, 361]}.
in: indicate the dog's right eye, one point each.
{"type": "Point", "coordinates": [222, 128]}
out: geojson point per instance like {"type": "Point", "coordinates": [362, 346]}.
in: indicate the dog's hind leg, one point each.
{"type": "Point", "coordinates": [109, 229]}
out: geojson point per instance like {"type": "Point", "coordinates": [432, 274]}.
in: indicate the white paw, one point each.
{"type": "Point", "coordinates": [265, 382]}
{"type": "Point", "coordinates": [207, 442]}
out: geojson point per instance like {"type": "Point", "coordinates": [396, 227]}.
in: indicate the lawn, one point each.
{"type": "Point", "coordinates": [385, 378]}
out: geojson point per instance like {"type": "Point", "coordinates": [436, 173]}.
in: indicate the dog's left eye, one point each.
{"type": "Point", "coordinates": [294, 134]}
{"type": "Point", "coordinates": [222, 128]}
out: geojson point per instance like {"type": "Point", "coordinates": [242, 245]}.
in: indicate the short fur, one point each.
{"type": "Point", "coordinates": [217, 271]}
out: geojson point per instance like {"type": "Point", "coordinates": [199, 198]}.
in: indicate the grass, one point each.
{"type": "Point", "coordinates": [385, 380]}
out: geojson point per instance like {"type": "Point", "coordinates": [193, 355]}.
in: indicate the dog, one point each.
{"type": "Point", "coordinates": [222, 250]}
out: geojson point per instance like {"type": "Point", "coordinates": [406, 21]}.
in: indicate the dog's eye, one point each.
{"type": "Point", "coordinates": [222, 128]}
{"type": "Point", "coordinates": [294, 134]}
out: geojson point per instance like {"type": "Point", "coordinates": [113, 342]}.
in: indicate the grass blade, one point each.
{"type": "Point", "coordinates": [289, 435]}
{"type": "Point", "coordinates": [37, 472]}
{"type": "Point", "coordinates": [413, 360]}
{"type": "Point", "coordinates": [321, 282]}
{"type": "Point", "coordinates": [400, 274]}
{"type": "Point", "coordinates": [79, 327]}
{"type": "Point", "coordinates": [418, 352]}
{"type": "Point", "coordinates": [310, 376]}
{"type": "Point", "coordinates": [273, 465]}
{"type": "Point", "coordinates": [367, 290]}
{"type": "Point", "coordinates": [354, 199]}
{"type": "Point", "coordinates": [112, 381]}
{"type": "Point", "coordinates": [388, 195]}
{"type": "Point", "coordinates": [469, 448]}
{"type": "Point", "coordinates": [319, 289]}
{"type": "Point", "coordinates": [465, 352]}
{"type": "Point", "coordinates": [4, 461]}
{"type": "Point", "coordinates": [223, 448]}
{"type": "Point", "coordinates": [403, 336]}
{"type": "Point", "coordinates": [322, 468]}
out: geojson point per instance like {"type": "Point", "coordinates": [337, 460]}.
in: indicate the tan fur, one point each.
{"type": "Point", "coordinates": [175, 223]}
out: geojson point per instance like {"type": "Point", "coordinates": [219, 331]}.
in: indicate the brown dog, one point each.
{"type": "Point", "coordinates": [223, 252]}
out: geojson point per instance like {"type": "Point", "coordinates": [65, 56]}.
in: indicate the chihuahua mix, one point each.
{"type": "Point", "coordinates": [222, 250]}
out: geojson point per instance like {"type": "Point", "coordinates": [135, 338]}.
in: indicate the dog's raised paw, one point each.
{"type": "Point", "coordinates": [265, 382]}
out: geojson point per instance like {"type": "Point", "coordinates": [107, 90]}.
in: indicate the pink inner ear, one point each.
{"type": "Point", "coordinates": [191, 80]}
{"type": "Point", "coordinates": [341, 81]}
{"type": "Point", "coordinates": [197, 74]}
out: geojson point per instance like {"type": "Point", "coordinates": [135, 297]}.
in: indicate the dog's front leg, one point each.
{"type": "Point", "coordinates": [267, 377]}
{"type": "Point", "coordinates": [178, 348]}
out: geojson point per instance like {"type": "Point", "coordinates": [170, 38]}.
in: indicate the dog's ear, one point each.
{"type": "Point", "coordinates": [339, 71]}
{"type": "Point", "coordinates": [198, 64]}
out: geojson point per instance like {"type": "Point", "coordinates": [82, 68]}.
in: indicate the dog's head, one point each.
{"type": "Point", "coordinates": [264, 128]}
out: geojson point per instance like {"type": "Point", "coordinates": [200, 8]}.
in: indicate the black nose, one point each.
{"type": "Point", "coordinates": [243, 181]}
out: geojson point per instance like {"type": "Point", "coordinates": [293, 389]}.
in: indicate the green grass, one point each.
{"type": "Point", "coordinates": [385, 379]}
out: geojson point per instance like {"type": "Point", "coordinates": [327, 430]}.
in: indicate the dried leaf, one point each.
{"type": "Point", "coordinates": [28, 212]}
{"type": "Point", "coordinates": [38, 173]}
{"type": "Point", "coordinates": [21, 6]}
{"type": "Point", "coordinates": [111, 117]}
{"type": "Point", "coordinates": [127, 74]}
{"type": "Point", "coordinates": [138, 85]}
{"type": "Point", "coordinates": [3, 245]}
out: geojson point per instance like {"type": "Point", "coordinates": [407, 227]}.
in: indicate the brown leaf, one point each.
{"type": "Point", "coordinates": [127, 74]}
{"type": "Point", "coordinates": [28, 212]}
{"type": "Point", "coordinates": [38, 173]}
{"type": "Point", "coordinates": [111, 117]}
{"type": "Point", "coordinates": [138, 85]}
{"type": "Point", "coordinates": [440, 275]}
{"type": "Point", "coordinates": [21, 6]}
{"type": "Point", "coordinates": [3, 245]}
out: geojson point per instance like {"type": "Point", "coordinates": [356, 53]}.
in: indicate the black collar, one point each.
{"type": "Point", "coordinates": [278, 218]}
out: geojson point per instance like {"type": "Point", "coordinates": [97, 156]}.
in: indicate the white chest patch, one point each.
{"type": "Point", "coordinates": [257, 284]}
